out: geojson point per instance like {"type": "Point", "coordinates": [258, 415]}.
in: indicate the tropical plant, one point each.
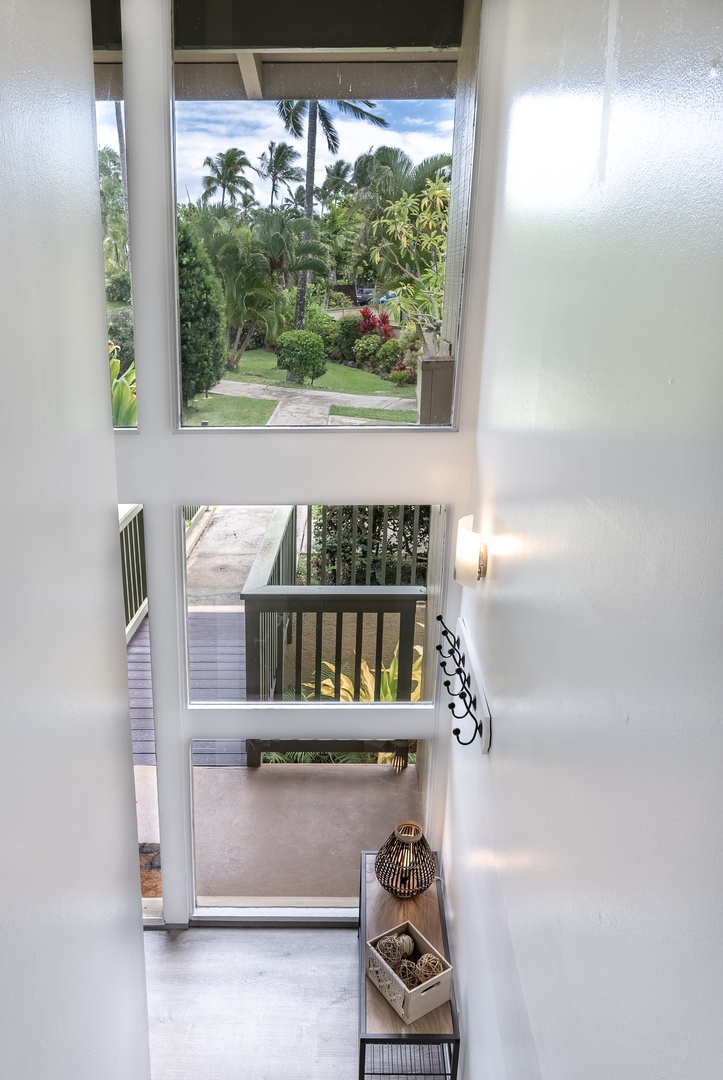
{"type": "Point", "coordinates": [337, 183]}
{"type": "Point", "coordinates": [346, 335]}
{"type": "Point", "coordinates": [317, 114]}
{"type": "Point", "coordinates": [278, 166]}
{"type": "Point", "coordinates": [410, 252]}
{"type": "Point", "coordinates": [202, 314]}
{"type": "Point", "coordinates": [366, 348]}
{"type": "Point", "coordinates": [226, 175]}
{"type": "Point", "coordinates": [367, 680]}
{"type": "Point", "coordinates": [118, 287]}
{"type": "Point", "coordinates": [287, 248]}
{"type": "Point", "coordinates": [120, 329]}
{"type": "Point", "coordinates": [112, 211]}
{"type": "Point", "coordinates": [122, 391]}
{"type": "Point", "coordinates": [301, 353]}
{"type": "Point", "coordinates": [253, 296]}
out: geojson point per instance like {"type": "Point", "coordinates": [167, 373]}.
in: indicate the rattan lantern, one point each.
{"type": "Point", "coordinates": [405, 865]}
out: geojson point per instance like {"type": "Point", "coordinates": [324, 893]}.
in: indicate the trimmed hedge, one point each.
{"type": "Point", "coordinates": [301, 353]}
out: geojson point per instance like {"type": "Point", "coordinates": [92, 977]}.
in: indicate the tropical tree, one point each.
{"type": "Point", "coordinates": [337, 183]}
{"type": "Point", "coordinates": [115, 231]}
{"type": "Point", "coordinates": [202, 315]}
{"type": "Point", "coordinates": [316, 113]}
{"type": "Point", "coordinates": [226, 175]}
{"type": "Point", "coordinates": [287, 246]}
{"type": "Point", "coordinates": [293, 204]}
{"type": "Point", "coordinates": [410, 253]}
{"type": "Point", "coordinates": [253, 297]}
{"type": "Point", "coordinates": [278, 166]}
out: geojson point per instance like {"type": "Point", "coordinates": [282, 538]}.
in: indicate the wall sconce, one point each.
{"type": "Point", "coordinates": [470, 560]}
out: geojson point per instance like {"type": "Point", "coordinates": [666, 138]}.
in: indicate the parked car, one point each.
{"type": "Point", "coordinates": [364, 294]}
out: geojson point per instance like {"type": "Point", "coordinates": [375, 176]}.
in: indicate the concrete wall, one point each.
{"type": "Point", "coordinates": [72, 989]}
{"type": "Point", "coordinates": [584, 854]}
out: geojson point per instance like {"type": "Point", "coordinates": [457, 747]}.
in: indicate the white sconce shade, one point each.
{"type": "Point", "coordinates": [470, 563]}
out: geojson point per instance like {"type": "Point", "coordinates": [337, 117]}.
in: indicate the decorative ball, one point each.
{"type": "Point", "coordinates": [407, 972]}
{"type": "Point", "coordinates": [390, 949]}
{"type": "Point", "coordinates": [406, 943]}
{"type": "Point", "coordinates": [428, 966]}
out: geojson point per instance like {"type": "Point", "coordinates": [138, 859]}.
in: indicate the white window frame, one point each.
{"type": "Point", "coordinates": [164, 467]}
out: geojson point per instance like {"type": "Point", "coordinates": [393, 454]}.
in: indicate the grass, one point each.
{"type": "Point", "coordinates": [260, 367]}
{"type": "Point", "coordinates": [396, 416]}
{"type": "Point", "coordinates": [223, 411]}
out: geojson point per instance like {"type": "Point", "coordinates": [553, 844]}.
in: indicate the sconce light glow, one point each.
{"type": "Point", "coordinates": [470, 563]}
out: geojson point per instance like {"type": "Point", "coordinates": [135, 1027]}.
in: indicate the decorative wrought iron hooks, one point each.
{"type": "Point", "coordinates": [449, 650]}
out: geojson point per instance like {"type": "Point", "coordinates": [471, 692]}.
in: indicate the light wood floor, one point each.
{"type": "Point", "coordinates": [252, 1004]}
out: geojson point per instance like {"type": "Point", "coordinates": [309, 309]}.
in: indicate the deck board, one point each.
{"type": "Point", "coordinates": [217, 655]}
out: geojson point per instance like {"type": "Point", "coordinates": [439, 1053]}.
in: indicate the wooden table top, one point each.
{"type": "Point", "coordinates": [381, 912]}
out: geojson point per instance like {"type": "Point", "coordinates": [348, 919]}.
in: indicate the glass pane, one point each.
{"type": "Point", "coordinates": [140, 696]}
{"type": "Point", "coordinates": [309, 603]}
{"type": "Point", "coordinates": [284, 826]}
{"type": "Point", "coordinates": [110, 122]}
{"type": "Point", "coordinates": [342, 236]}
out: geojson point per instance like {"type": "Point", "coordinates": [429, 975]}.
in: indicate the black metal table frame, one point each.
{"type": "Point", "coordinates": [428, 1039]}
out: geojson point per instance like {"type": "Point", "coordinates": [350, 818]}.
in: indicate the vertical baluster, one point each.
{"type": "Point", "coordinates": [400, 544]}
{"type": "Point", "coordinates": [253, 649]}
{"type": "Point", "coordinates": [142, 553]}
{"type": "Point", "coordinates": [370, 518]}
{"type": "Point", "coordinates": [317, 672]}
{"type": "Point", "coordinates": [299, 639]}
{"type": "Point", "coordinates": [358, 654]}
{"type": "Point", "coordinates": [407, 615]}
{"type": "Point", "coordinates": [323, 544]}
{"type": "Point", "coordinates": [378, 656]}
{"type": "Point", "coordinates": [415, 545]}
{"type": "Point", "coordinates": [385, 544]}
{"type": "Point", "coordinates": [308, 544]}
{"type": "Point", "coordinates": [337, 656]}
{"type": "Point", "coordinates": [339, 533]}
{"type": "Point", "coordinates": [354, 526]}
{"type": "Point", "coordinates": [124, 573]}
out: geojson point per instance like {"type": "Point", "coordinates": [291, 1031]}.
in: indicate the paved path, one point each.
{"type": "Point", "coordinates": [310, 408]}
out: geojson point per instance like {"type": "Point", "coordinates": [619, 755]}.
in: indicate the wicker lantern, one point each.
{"type": "Point", "coordinates": [405, 865]}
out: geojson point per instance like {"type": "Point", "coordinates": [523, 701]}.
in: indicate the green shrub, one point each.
{"type": "Point", "coordinates": [366, 349]}
{"type": "Point", "coordinates": [202, 312]}
{"type": "Point", "coordinates": [320, 323]}
{"type": "Point", "coordinates": [346, 333]}
{"type": "Point", "coordinates": [409, 340]}
{"type": "Point", "coordinates": [120, 332]}
{"type": "Point", "coordinates": [390, 353]}
{"type": "Point", "coordinates": [118, 287]}
{"type": "Point", "coordinates": [337, 299]}
{"type": "Point", "coordinates": [301, 353]}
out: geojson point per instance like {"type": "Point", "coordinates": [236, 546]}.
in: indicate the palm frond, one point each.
{"type": "Point", "coordinates": [292, 114]}
{"type": "Point", "coordinates": [353, 108]}
{"type": "Point", "coordinates": [327, 126]}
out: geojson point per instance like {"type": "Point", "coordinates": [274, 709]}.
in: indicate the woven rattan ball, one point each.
{"type": "Point", "coordinates": [428, 966]}
{"type": "Point", "coordinates": [390, 949]}
{"type": "Point", "coordinates": [407, 972]}
{"type": "Point", "coordinates": [406, 944]}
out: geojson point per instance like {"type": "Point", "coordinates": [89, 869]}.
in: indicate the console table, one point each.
{"type": "Point", "coordinates": [387, 1046]}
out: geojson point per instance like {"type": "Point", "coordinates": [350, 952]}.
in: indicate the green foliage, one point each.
{"type": "Point", "coordinates": [301, 352]}
{"type": "Point", "coordinates": [118, 287]}
{"type": "Point", "coordinates": [120, 332]}
{"type": "Point", "coordinates": [345, 336]}
{"type": "Point", "coordinates": [337, 299]}
{"type": "Point", "coordinates": [409, 340]}
{"type": "Point", "coordinates": [366, 348]}
{"type": "Point", "coordinates": [363, 533]}
{"type": "Point", "coordinates": [401, 375]}
{"type": "Point", "coordinates": [320, 323]}
{"type": "Point", "coordinates": [122, 391]}
{"type": "Point", "coordinates": [203, 327]}
{"type": "Point", "coordinates": [391, 350]}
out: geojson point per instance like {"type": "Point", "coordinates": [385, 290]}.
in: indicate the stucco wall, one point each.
{"type": "Point", "coordinates": [72, 998]}
{"type": "Point", "coordinates": [584, 854]}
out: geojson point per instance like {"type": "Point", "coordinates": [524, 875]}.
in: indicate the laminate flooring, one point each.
{"type": "Point", "coordinates": [252, 1004]}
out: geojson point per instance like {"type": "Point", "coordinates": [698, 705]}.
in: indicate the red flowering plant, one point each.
{"type": "Point", "coordinates": [371, 323]}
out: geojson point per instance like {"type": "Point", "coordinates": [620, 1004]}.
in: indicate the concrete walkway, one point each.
{"type": "Point", "coordinates": [310, 408]}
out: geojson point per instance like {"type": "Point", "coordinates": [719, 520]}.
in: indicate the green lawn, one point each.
{"type": "Point", "coordinates": [388, 416]}
{"type": "Point", "coordinates": [260, 367]}
{"type": "Point", "coordinates": [222, 411]}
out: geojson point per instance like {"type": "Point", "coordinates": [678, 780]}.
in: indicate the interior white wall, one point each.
{"type": "Point", "coordinates": [584, 854]}
{"type": "Point", "coordinates": [72, 992]}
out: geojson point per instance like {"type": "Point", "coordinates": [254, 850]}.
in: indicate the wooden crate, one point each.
{"type": "Point", "coordinates": [409, 1004]}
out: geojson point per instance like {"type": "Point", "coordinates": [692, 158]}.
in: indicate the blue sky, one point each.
{"type": "Point", "coordinates": [205, 128]}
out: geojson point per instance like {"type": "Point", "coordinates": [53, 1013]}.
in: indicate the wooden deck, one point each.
{"type": "Point", "coordinates": [217, 653]}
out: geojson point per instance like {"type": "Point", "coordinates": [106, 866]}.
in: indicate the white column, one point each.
{"type": "Point", "coordinates": [148, 80]}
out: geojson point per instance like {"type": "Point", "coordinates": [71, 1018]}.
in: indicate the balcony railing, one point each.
{"type": "Point", "coordinates": [298, 637]}
{"type": "Point", "coordinates": [133, 566]}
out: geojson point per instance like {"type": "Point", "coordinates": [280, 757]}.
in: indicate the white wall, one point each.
{"type": "Point", "coordinates": [72, 990]}
{"type": "Point", "coordinates": [584, 854]}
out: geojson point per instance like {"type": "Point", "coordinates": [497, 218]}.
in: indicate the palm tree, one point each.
{"type": "Point", "coordinates": [293, 113]}
{"type": "Point", "coordinates": [278, 166]}
{"type": "Point", "coordinates": [287, 247]}
{"type": "Point", "coordinates": [226, 174]}
{"type": "Point", "coordinates": [336, 183]}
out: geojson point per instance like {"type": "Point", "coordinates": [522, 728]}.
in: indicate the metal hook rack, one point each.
{"type": "Point", "coordinates": [459, 685]}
